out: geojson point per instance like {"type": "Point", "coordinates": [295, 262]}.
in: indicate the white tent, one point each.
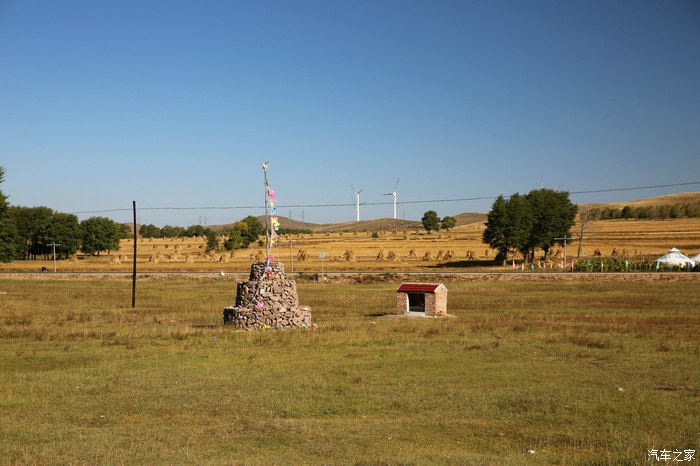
{"type": "Point", "coordinates": [675, 257]}
{"type": "Point", "coordinates": [695, 258]}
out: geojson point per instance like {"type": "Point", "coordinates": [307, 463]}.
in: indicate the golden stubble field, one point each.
{"type": "Point", "coordinates": [392, 250]}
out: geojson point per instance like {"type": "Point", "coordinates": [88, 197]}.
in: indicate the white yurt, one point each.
{"type": "Point", "coordinates": [695, 258]}
{"type": "Point", "coordinates": [675, 257]}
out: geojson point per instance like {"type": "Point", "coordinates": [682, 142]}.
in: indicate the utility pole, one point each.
{"type": "Point", "coordinates": [133, 274]}
{"type": "Point", "coordinates": [563, 239]}
{"type": "Point", "coordinates": [291, 254]}
{"type": "Point", "coordinates": [54, 244]}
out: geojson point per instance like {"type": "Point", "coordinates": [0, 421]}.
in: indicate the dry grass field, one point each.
{"type": "Point", "coordinates": [545, 371]}
{"type": "Point", "coordinates": [393, 250]}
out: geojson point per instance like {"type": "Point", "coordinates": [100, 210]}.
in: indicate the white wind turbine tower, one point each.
{"type": "Point", "coordinates": [393, 193]}
{"type": "Point", "coordinates": [357, 203]}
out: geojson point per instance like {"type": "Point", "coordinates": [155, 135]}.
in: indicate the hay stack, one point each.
{"type": "Point", "coordinates": [153, 259]}
{"type": "Point", "coordinates": [412, 253]}
{"type": "Point", "coordinates": [440, 255]}
{"type": "Point", "coordinates": [393, 257]}
{"type": "Point", "coordinates": [428, 256]}
{"type": "Point", "coordinates": [115, 260]}
{"type": "Point", "coordinates": [381, 256]}
{"type": "Point", "coordinates": [189, 259]}
{"type": "Point", "coordinates": [302, 255]}
{"type": "Point", "coordinates": [349, 256]}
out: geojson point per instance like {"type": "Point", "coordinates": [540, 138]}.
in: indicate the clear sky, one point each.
{"type": "Point", "coordinates": [178, 103]}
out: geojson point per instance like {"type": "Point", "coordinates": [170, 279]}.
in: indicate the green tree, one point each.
{"type": "Point", "coordinates": [509, 225]}
{"type": "Point", "coordinates": [31, 224]}
{"type": "Point", "coordinates": [234, 239]}
{"type": "Point", "coordinates": [99, 234]}
{"type": "Point", "coordinates": [448, 223]}
{"type": "Point", "coordinates": [172, 232]}
{"type": "Point", "coordinates": [150, 231]}
{"type": "Point", "coordinates": [496, 232]}
{"type": "Point", "coordinates": [63, 229]}
{"type": "Point", "coordinates": [554, 215]}
{"type": "Point", "coordinates": [255, 229]}
{"type": "Point", "coordinates": [213, 242]}
{"type": "Point", "coordinates": [520, 223]}
{"type": "Point", "coordinates": [194, 230]}
{"type": "Point", "coordinates": [431, 221]}
{"type": "Point", "coordinates": [243, 233]}
{"type": "Point", "coordinates": [9, 238]}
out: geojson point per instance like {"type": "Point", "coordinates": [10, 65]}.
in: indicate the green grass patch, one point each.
{"type": "Point", "coordinates": [580, 372]}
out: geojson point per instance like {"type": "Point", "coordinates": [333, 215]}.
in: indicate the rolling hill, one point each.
{"type": "Point", "coordinates": [464, 220]}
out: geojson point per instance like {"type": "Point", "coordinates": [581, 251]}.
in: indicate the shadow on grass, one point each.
{"type": "Point", "coordinates": [378, 314]}
{"type": "Point", "coordinates": [464, 264]}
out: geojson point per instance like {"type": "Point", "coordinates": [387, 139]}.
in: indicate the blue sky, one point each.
{"type": "Point", "coordinates": [177, 104]}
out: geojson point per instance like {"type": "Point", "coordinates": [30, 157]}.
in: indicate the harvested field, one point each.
{"type": "Point", "coordinates": [412, 250]}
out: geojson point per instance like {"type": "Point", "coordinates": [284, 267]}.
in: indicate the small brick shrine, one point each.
{"type": "Point", "coordinates": [429, 299]}
{"type": "Point", "coordinates": [267, 300]}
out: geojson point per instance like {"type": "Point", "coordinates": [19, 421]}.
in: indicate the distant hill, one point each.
{"type": "Point", "coordinates": [679, 198]}
{"type": "Point", "coordinates": [464, 220]}
{"type": "Point", "coordinates": [291, 223]}
{"type": "Point", "coordinates": [469, 218]}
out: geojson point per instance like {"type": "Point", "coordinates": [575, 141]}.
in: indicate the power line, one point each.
{"type": "Point", "coordinates": [428, 201]}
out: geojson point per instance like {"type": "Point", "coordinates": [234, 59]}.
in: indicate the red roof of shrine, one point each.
{"type": "Point", "coordinates": [418, 287]}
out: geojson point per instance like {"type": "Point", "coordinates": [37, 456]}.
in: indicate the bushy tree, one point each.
{"type": "Point", "coordinates": [172, 232]}
{"type": "Point", "coordinates": [524, 223]}
{"type": "Point", "coordinates": [496, 232]}
{"type": "Point", "coordinates": [195, 230]}
{"type": "Point", "coordinates": [63, 229]}
{"type": "Point", "coordinates": [213, 242]}
{"type": "Point", "coordinates": [520, 223]}
{"type": "Point", "coordinates": [243, 233]}
{"type": "Point", "coordinates": [508, 225]}
{"type": "Point", "coordinates": [99, 234]}
{"type": "Point", "coordinates": [431, 221]}
{"type": "Point", "coordinates": [31, 224]}
{"type": "Point", "coordinates": [9, 238]}
{"type": "Point", "coordinates": [554, 215]}
{"type": "Point", "coordinates": [255, 229]}
{"type": "Point", "coordinates": [448, 223]}
{"type": "Point", "coordinates": [150, 231]}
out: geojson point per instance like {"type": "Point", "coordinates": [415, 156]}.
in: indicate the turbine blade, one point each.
{"type": "Point", "coordinates": [397, 183]}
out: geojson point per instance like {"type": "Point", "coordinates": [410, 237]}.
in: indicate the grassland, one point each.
{"type": "Point", "coordinates": [579, 371]}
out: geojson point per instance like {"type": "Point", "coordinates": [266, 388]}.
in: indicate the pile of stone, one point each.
{"type": "Point", "coordinates": [267, 300]}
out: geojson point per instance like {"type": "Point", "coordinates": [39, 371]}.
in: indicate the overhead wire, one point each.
{"type": "Point", "coordinates": [424, 201]}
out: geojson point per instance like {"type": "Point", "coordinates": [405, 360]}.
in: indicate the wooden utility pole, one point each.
{"type": "Point", "coordinates": [133, 277]}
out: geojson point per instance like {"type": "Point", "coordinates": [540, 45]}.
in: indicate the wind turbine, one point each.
{"type": "Point", "coordinates": [393, 193]}
{"type": "Point", "coordinates": [357, 203]}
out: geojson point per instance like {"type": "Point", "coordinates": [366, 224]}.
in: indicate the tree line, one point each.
{"type": "Point", "coordinates": [237, 236]}
{"type": "Point", "coordinates": [31, 232]}
{"type": "Point", "coordinates": [687, 210]}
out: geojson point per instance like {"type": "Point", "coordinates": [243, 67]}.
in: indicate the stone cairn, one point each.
{"type": "Point", "coordinates": [267, 300]}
